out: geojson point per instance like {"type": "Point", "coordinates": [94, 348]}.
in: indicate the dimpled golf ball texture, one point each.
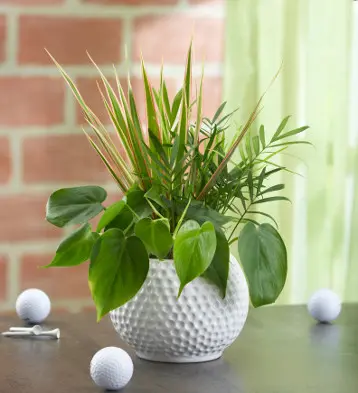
{"type": "Point", "coordinates": [111, 368]}
{"type": "Point", "coordinates": [33, 306]}
{"type": "Point", "coordinates": [324, 305]}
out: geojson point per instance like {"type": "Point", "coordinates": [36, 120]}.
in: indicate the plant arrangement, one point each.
{"type": "Point", "coordinates": [184, 195]}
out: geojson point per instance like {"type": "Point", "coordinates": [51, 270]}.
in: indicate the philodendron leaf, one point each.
{"type": "Point", "coordinates": [264, 260]}
{"type": "Point", "coordinates": [199, 212]}
{"type": "Point", "coordinates": [155, 234]}
{"type": "Point", "coordinates": [218, 270]}
{"type": "Point", "coordinates": [109, 215]}
{"type": "Point", "coordinates": [154, 194]}
{"type": "Point", "coordinates": [137, 202]}
{"type": "Point", "coordinates": [194, 249]}
{"type": "Point", "coordinates": [74, 205]}
{"type": "Point", "coordinates": [76, 248]}
{"type": "Point", "coordinates": [118, 269]}
{"type": "Point", "coordinates": [123, 220]}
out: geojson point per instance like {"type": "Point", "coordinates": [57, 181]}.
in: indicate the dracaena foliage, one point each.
{"type": "Point", "coordinates": [183, 196]}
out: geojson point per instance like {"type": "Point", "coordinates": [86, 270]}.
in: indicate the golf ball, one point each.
{"type": "Point", "coordinates": [111, 368]}
{"type": "Point", "coordinates": [324, 305]}
{"type": "Point", "coordinates": [33, 306]}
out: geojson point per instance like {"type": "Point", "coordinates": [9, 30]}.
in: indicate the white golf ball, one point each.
{"type": "Point", "coordinates": [324, 305]}
{"type": "Point", "coordinates": [33, 306]}
{"type": "Point", "coordinates": [111, 368]}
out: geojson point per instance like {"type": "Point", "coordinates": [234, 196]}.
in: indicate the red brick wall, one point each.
{"type": "Point", "coordinates": [41, 144]}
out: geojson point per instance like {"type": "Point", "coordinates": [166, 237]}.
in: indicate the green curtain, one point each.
{"type": "Point", "coordinates": [316, 43]}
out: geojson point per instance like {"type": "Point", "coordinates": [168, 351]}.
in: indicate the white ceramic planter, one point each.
{"type": "Point", "coordinates": [197, 327]}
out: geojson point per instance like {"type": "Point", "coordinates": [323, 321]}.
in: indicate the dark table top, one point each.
{"type": "Point", "coordinates": [281, 350]}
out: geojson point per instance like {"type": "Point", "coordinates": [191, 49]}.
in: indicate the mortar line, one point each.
{"type": "Point", "coordinates": [153, 69]}
{"type": "Point", "coordinates": [11, 40]}
{"type": "Point", "coordinates": [13, 277]}
{"type": "Point", "coordinates": [127, 45]}
{"type": "Point", "coordinates": [117, 11]}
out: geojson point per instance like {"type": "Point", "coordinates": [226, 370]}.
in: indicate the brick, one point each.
{"type": "Point", "coordinates": [61, 158]}
{"type": "Point", "coordinates": [23, 218]}
{"type": "Point", "coordinates": [31, 2]}
{"type": "Point", "coordinates": [132, 2]}
{"type": "Point", "coordinates": [212, 95]}
{"type": "Point", "coordinates": [2, 37]}
{"type": "Point", "coordinates": [5, 160]}
{"type": "Point", "coordinates": [58, 283]}
{"type": "Point", "coordinates": [149, 32]}
{"type": "Point", "coordinates": [89, 91]}
{"type": "Point", "coordinates": [68, 39]}
{"type": "Point", "coordinates": [3, 276]}
{"type": "Point", "coordinates": [30, 101]}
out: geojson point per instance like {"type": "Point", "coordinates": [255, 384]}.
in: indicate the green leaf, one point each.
{"type": "Point", "coordinates": [272, 171]}
{"type": "Point", "coordinates": [194, 249]}
{"type": "Point", "coordinates": [271, 199]}
{"type": "Point", "coordinates": [154, 194]}
{"type": "Point", "coordinates": [261, 179]}
{"type": "Point", "coordinates": [123, 220]}
{"type": "Point", "coordinates": [181, 219]}
{"type": "Point", "coordinates": [187, 78]}
{"type": "Point", "coordinates": [74, 205]}
{"type": "Point", "coordinates": [248, 147]}
{"type": "Point", "coordinates": [174, 153]}
{"type": "Point", "coordinates": [218, 112]}
{"type": "Point", "coordinates": [264, 260]}
{"type": "Point", "coordinates": [250, 185]}
{"type": "Point", "coordinates": [256, 145]}
{"type": "Point", "coordinates": [242, 153]}
{"type": "Point", "coordinates": [151, 112]}
{"type": "Point", "coordinates": [158, 148]}
{"type": "Point", "coordinates": [155, 234]}
{"type": "Point", "coordinates": [199, 212]}
{"type": "Point", "coordinates": [263, 214]}
{"type": "Point", "coordinates": [291, 133]}
{"type": "Point", "coordinates": [118, 269]}
{"type": "Point", "coordinates": [277, 187]}
{"type": "Point", "coordinates": [76, 248]}
{"type": "Point", "coordinates": [218, 270]}
{"type": "Point", "coordinates": [262, 136]}
{"type": "Point", "coordinates": [137, 202]}
{"type": "Point", "coordinates": [176, 105]}
{"type": "Point", "coordinates": [165, 95]}
{"type": "Point", "coordinates": [292, 143]}
{"type": "Point", "coordinates": [280, 128]}
{"type": "Point", "coordinates": [109, 215]}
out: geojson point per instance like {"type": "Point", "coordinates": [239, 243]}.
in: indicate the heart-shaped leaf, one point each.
{"type": "Point", "coordinates": [75, 205]}
{"type": "Point", "coordinates": [118, 269]}
{"type": "Point", "coordinates": [264, 260]}
{"type": "Point", "coordinates": [123, 221]}
{"type": "Point", "coordinates": [199, 212]}
{"type": "Point", "coordinates": [110, 213]}
{"type": "Point", "coordinates": [76, 248]}
{"type": "Point", "coordinates": [194, 249]}
{"type": "Point", "coordinates": [218, 270]}
{"type": "Point", "coordinates": [154, 194]}
{"type": "Point", "coordinates": [137, 202]}
{"type": "Point", "coordinates": [155, 234]}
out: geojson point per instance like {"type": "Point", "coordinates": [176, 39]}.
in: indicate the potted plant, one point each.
{"type": "Point", "coordinates": [160, 260]}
